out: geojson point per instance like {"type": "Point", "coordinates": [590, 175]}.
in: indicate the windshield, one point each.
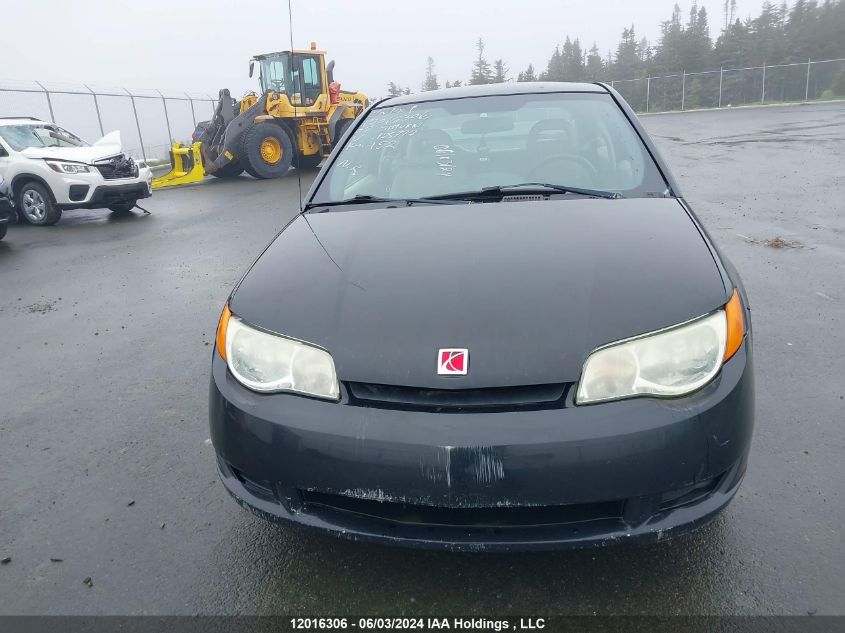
{"type": "Point", "coordinates": [275, 74]}
{"type": "Point", "coordinates": [459, 145]}
{"type": "Point", "coordinates": [20, 137]}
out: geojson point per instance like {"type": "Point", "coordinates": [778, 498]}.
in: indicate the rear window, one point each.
{"type": "Point", "coordinates": [449, 146]}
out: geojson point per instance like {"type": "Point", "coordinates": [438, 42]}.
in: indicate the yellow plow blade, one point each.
{"type": "Point", "coordinates": [186, 167]}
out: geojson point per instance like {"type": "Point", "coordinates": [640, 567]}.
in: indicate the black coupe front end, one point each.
{"type": "Point", "coordinates": [443, 352]}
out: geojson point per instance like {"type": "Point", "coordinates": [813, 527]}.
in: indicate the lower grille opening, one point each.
{"type": "Point", "coordinates": [487, 517]}
{"type": "Point", "coordinates": [456, 400]}
{"type": "Point", "coordinates": [77, 192]}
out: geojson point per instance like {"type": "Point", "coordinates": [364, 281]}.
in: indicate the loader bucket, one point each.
{"type": "Point", "coordinates": [186, 167]}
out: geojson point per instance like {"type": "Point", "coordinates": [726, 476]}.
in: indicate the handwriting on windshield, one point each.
{"type": "Point", "coordinates": [385, 128]}
{"type": "Point", "coordinates": [445, 156]}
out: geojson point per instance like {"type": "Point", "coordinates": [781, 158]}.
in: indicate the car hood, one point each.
{"type": "Point", "coordinates": [106, 147]}
{"type": "Point", "coordinates": [530, 288]}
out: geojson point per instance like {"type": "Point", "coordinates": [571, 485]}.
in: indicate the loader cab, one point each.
{"type": "Point", "coordinates": [301, 75]}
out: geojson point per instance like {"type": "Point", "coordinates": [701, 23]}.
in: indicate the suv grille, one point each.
{"type": "Point", "coordinates": [121, 166]}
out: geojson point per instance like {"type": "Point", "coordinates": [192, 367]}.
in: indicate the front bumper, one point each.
{"type": "Point", "coordinates": [92, 191]}
{"type": "Point", "coordinates": [7, 212]}
{"type": "Point", "coordinates": [640, 469]}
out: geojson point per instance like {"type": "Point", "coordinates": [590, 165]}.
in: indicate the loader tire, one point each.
{"type": "Point", "coordinates": [232, 170]}
{"type": "Point", "coordinates": [339, 129]}
{"type": "Point", "coordinates": [266, 151]}
{"type": "Point", "coordinates": [307, 162]}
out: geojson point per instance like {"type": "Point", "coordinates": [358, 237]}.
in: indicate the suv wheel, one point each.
{"type": "Point", "coordinates": [35, 205]}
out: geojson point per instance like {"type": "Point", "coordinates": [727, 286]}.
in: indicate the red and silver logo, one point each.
{"type": "Point", "coordinates": [452, 362]}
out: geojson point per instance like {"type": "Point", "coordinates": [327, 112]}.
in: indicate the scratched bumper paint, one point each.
{"type": "Point", "coordinates": [631, 451]}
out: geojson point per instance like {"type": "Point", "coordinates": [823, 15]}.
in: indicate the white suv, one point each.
{"type": "Point", "coordinates": [50, 170]}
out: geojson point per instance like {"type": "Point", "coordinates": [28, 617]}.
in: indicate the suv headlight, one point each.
{"type": "Point", "coordinates": [668, 363]}
{"type": "Point", "coordinates": [268, 363]}
{"type": "Point", "coordinates": [68, 168]}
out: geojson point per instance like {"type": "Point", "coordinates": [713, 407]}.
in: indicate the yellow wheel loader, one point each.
{"type": "Point", "coordinates": [297, 119]}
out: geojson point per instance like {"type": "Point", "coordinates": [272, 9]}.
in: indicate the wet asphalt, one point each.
{"type": "Point", "coordinates": [107, 327]}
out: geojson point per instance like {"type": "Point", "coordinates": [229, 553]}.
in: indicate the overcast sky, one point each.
{"type": "Point", "coordinates": [203, 46]}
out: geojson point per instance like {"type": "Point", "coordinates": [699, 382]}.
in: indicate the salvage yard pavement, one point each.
{"type": "Point", "coordinates": [109, 499]}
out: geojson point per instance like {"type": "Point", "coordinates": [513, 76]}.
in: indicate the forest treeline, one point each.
{"type": "Point", "coordinates": [780, 34]}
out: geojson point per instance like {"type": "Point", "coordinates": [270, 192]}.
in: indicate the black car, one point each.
{"type": "Point", "coordinates": [7, 211]}
{"type": "Point", "coordinates": [496, 324]}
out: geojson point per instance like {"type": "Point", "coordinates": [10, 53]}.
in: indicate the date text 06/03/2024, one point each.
{"type": "Point", "coordinates": [418, 624]}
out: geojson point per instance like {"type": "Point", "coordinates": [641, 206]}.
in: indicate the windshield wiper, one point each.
{"type": "Point", "coordinates": [365, 198]}
{"type": "Point", "coordinates": [500, 191]}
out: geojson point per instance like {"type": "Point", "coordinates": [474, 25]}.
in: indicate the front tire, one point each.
{"type": "Point", "coordinates": [36, 206]}
{"type": "Point", "coordinates": [307, 162]}
{"type": "Point", "coordinates": [231, 170]}
{"type": "Point", "coordinates": [267, 151]}
{"type": "Point", "coordinates": [339, 129]}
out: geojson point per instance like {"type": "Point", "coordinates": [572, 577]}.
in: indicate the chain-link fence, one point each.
{"type": "Point", "coordinates": [807, 81]}
{"type": "Point", "coordinates": [149, 120]}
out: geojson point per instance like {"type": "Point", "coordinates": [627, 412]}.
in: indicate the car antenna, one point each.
{"type": "Point", "coordinates": [298, 174]}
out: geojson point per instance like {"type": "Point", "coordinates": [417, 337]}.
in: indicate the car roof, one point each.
{"type": "Point", "coordinates": [486, 90]}
{"type": "Point", "coordinates": [20, 120]}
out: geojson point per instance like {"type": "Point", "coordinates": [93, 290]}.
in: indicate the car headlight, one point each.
{"type": "Point", "coordinates": [68, 168]}
{"type": "Point", "coordinates": [267, 362]}
{"type": "Point", "coordinates": [668, 363]}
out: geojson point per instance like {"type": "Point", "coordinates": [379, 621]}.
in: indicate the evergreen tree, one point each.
{"type": "Point", "coordinates": [528, 74]}
{"type": "Point", "coordinates": [393, 90]}
{"type": "Point", "coordinates": [595, 66]}
{"type": "Point", "coordinates": [500, 70]}
{"type": "Point", "coordinates": [626, 62]}
{"type": "Point", "coordinates": [482, 73]}
{"type": "Point", "coordinates": [430, 82]}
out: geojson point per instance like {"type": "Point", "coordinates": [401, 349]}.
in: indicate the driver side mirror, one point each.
{"type": "Point", "coordinates": [251, 67]}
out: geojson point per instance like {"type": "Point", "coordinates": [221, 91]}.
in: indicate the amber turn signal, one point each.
{"type": "Point", "coordinates": [222, 326]}
{"type": "Point", "coordinates": [736, 325]}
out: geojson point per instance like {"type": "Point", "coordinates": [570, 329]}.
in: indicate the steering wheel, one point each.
{"type": "Point", "coordinates": [536, 174]}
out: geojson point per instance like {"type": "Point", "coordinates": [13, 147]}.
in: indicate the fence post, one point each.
{"type": "Point", "coordinates": [166, 118]}
{"type": "Point", "coordinates": [137, 124]}
{"type": "Point", "coordinates": [97, 107]}
{"type": "Point", "coordinates": [763, 97]}
{"type": "Point", "coordinates": [212, 102]}
{"type": "Point", "coordinates": [684, 90]}
{"type": "Point", "coordinates": [647, 92]}
{"type": "Point", "coordinates": [721, 76]}
{"type": "Point", "coordinates": [193, 114]}
{"type": "Point", "coordinates": [611, 83]}
{"type": "Point", "coordinates": [807, 85]}
{"type": "Point", "coordinates": [49, 102]}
